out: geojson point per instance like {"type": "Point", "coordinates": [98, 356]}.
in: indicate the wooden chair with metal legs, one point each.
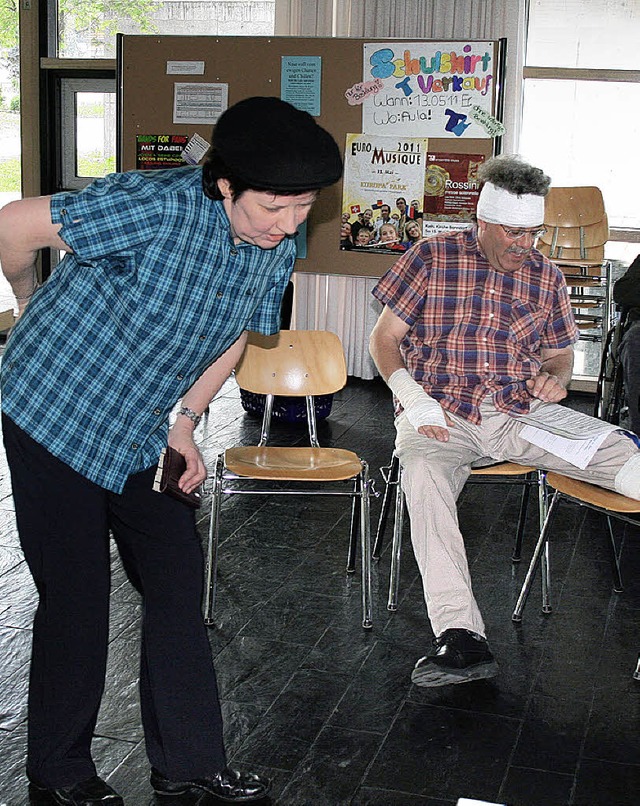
{"type": "Point", "coordinates": [610, 504]}
{"type": "Point", "coordinates": [500, 473]}
{"type": "Point", "coordinates": [293, 363]}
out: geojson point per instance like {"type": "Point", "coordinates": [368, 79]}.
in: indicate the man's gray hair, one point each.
{"type": "Point", "coordinates": [514, 175]}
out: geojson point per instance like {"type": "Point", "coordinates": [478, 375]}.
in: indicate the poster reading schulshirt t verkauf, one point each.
{"type": "Point", "coordinates": [429, 89]}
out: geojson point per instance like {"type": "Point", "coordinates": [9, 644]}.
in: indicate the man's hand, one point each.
{"type": "Point", "coordinates": [181, 439]}
{"type": "Point", "coordinates": [435, 431]}
{"type": "Point", "coordinates": [546, 387]}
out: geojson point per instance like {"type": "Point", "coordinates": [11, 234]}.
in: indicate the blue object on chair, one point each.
{"type": "Point", "coordinates": [286, 409]}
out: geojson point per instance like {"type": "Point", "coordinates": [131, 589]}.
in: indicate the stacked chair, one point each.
{"type": "Point", "coordinates": [577, 231]}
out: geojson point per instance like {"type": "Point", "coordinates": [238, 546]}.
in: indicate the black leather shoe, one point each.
{"type": "Point", "coordinates": [92, 791]}
{"type": "Point", "coordinates": [229, 786]}
{"type": "Point", "coordinates": [458, 656]}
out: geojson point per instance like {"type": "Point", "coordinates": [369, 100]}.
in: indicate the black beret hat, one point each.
{"type": "Point", "coordinates": [271, 145]}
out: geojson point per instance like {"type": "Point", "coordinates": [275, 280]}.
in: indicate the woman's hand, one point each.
{"type": "Point", "coordinates": [181, 439]}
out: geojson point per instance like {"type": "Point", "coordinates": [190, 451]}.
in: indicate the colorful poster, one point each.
{"type": "Point", "coordinates": [160, 151]}
{"type": "Point", "coordinates": [429, 89]}
{"type": "Point", "coordinates": [383, 186]}
{"type": "Point", "coordinates": [451, 191]}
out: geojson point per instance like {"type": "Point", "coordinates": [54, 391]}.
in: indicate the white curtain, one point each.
{"type": "Point", "coordinates": [344, 305]}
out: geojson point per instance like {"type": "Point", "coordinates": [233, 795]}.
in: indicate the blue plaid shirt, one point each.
{"type": "Point", "coordinates": [154, 292]}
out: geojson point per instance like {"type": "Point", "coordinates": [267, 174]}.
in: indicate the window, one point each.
{"type": "Point", "coordinates": [582, 100]}
{"type": "Point", "coordinates": [89, 124]}
{"type": "Point", "coordinates": [581, 118]}
{"type": "Point", "coordinates": [87, 28]}
{"type": "Point", "coordinates": [596, 34]}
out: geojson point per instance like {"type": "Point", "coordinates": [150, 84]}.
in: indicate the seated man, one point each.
{"type": "Point", "coordinates": [626, 292]}
{"type": "Point", "coordinates": [476, 330]}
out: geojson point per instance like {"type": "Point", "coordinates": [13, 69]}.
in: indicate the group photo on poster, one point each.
{"type": "Point", "coordinates": [383, 193]}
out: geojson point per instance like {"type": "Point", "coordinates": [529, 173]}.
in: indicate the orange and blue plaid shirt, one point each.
{"type": "Point", "coordinates": [475, 331]}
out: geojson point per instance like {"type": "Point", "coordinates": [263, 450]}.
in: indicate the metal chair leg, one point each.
{"type": "Point", "coordinates": [545, 578]}
{"type": "Point", "coordinates": [396, 548]}
{"type": "Point", "coordinates": [212, 551]}
{"type": "Point", "coordinates": [615, 563]}
{"type": "Point", "coordinates": [354, 528]}
{"type": "Point", "coordinates": [535, 559]}
{"type": "Point", "coordinates": [390, 479]}
{"type": "Point", "coordinates": [365, 548]}
{"type": "Point", "coordinates": [522, 519]}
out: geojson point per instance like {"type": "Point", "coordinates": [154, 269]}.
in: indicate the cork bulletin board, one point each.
{"type": "Point", "coordinates": [150, 68]}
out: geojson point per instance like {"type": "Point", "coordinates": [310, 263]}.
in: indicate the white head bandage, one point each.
{"type": "Point", "coordinates": [498, 206]}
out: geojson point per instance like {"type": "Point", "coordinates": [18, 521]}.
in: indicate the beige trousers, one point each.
{"type": "Point", "coordinates": [434, 474]}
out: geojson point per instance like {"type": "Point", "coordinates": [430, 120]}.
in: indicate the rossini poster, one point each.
{"type": "Point", "coordinates": [451, 191]}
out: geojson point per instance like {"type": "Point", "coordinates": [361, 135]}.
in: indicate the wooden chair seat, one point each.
{"type": "Point", "coordinates": [592, 257]}
{"type": "Point", "coordinates": [585, 303]}
{"type": "Point", "coordinates": [503, 469]}
{"type": "Point", "coordinates": [292, 464]}
{"type": "Point", "coordinates": [592, 494]}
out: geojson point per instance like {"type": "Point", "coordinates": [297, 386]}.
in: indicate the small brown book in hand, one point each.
{"type": "Point", "coordinates": [171, 466]}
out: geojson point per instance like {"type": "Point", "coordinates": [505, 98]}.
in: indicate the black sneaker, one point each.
{"type": "Point", "coordinates": [458, 656]}
{"type": "Point", "coordinates": [229, 786]}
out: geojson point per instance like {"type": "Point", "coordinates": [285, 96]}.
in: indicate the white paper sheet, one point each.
{"type": "Point", "coordinates": [578, 452]}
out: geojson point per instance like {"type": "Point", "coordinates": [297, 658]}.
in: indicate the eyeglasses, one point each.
{"type": "Point", "coordinates": [516, 234]}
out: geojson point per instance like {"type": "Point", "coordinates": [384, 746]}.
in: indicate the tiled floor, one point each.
{"type": "Point", "coordinates": [327, 709]}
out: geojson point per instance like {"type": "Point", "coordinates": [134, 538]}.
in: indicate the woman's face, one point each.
{"type": "Point", "coordinates": [345, 230]}
{"type": "Point", "coordinates": [413, 231]}
{"type": "Point", "coordinates": [263, 218]}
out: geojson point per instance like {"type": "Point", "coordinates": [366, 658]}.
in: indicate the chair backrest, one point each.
{"type": "Point", "coordinates": [577, 225]}
{"type": "Point", "coordinates": [573, 206]}
{"type": "Point", "coordinates": [293, 363]}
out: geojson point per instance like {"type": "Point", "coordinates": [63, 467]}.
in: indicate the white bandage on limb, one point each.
{"type": "Point", "coordinates": [627, 481]}
{"type": "Point", "coordinates": [419, 407]}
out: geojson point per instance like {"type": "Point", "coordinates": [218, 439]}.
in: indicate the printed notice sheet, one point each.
{"type": "Point", "coordinates": [565, 433]}
{"type": "Point", "coordinates": [199, 103]}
